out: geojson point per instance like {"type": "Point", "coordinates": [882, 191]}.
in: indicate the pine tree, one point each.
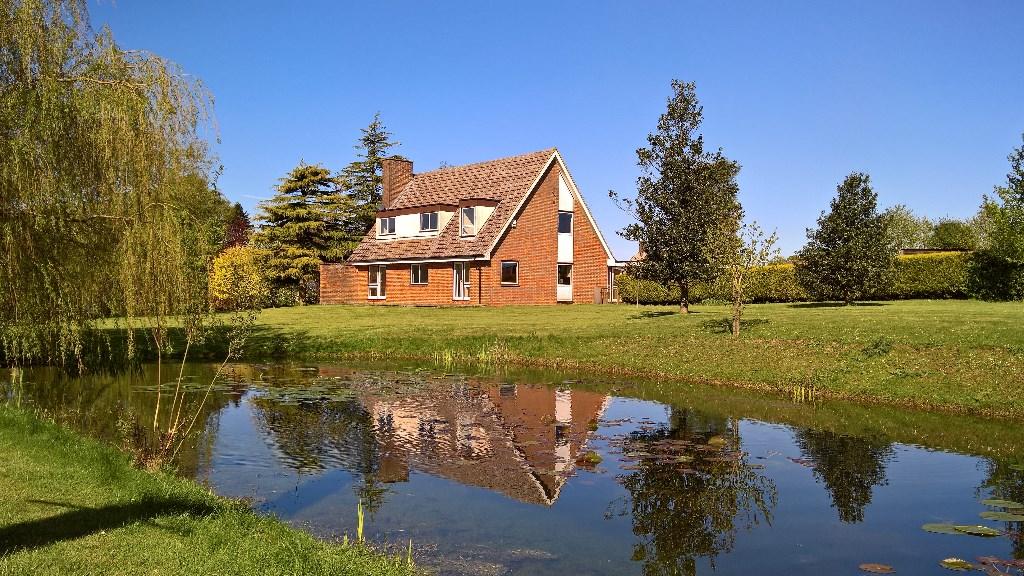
{"type": "Point", "coordinates": [362, 180]}
{"type": "Point", "coordinates": [302, 226]}
{"type": "Point", "coordinates": [851, 253]}
{"type": "Point", "coordinates": [686, 207]}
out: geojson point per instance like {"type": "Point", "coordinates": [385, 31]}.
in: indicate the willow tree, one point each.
{"type": "Point", "coordinates": [106, 207]}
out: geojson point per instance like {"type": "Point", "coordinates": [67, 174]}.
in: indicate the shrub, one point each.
{"type": "Point", "coordinates": [990, 277]}
{"type": "Point", "coordinates": [238, 279]}
{"type": "Point", "coordinates": [938, 275]}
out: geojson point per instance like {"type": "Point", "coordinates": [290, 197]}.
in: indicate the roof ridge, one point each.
{"type": "Point", "coordinates": [474, 164]}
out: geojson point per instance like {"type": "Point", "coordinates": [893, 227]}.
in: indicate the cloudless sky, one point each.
{"type": "Point", "coordinates": [925, 96]}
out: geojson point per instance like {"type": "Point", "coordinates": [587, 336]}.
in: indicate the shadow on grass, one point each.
{"type": "Point", "coordinates": [653, 314]}
{"type": "Point", "coordinates": [80, 522]}
{"type": "Point", "coordinates": [834, 304]}
{"type": "Point", "coordinates": [724, 325]}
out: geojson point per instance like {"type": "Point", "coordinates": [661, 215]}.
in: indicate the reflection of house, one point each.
{"type": "Point", "coordinates": [522, 441]}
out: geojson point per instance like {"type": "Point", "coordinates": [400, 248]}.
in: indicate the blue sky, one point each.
{"type": "Point", "coordinates": [926, 96]}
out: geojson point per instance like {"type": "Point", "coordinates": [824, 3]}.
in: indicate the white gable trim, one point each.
{"type": "Point", "coordinates": [555, 156]}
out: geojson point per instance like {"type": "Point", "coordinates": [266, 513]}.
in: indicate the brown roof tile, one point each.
{"type": "Point", "coordinates": [506, 181]}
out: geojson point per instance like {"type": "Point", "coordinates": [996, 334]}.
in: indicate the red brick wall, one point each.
{"type": "Point", "coordinates": [590, 267]}
{"type": "Point", "coordinates": [533, 243]}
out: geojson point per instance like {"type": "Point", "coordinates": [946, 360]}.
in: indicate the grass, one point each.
{"type": "Point", "coordinates": [69, 505]}
{"type": "Point", "coordinates": [959, 356]}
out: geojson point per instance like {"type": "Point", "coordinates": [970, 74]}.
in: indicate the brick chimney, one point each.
{"type": "Point", "coordinates": [397, 173]}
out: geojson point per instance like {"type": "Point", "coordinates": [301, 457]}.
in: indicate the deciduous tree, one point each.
{"type": "Point", "coordinates": [906, 229]}
{"type": "Point", "coordinates": [686, 206]}
{"type": "Point", "coordinates": [953, 235]}
{"type": "Point", "coordinates": [752, 249]}
{"type": "Point", "coordinates": [850, 254]}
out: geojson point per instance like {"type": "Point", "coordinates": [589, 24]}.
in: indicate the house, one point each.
{"type": "Point", "coordinates": [509, 231]}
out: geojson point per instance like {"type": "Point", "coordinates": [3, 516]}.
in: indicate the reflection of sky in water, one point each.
{"type": "Point", "coordinates": [486, 478]}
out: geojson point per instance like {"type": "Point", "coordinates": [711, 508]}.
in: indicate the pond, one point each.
{"type": "Point", "coordinates": [540, 473]}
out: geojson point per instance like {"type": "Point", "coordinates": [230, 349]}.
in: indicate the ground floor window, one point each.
{"type": "Point", "coordinates": [376, 281]}
{"type": "Point", "coordinates": [418, 274]}
{"type": "Point", "coordinates": [460, 281]}
{"type": "Point", "coordinates": [564, 274]}
{"type": "Point", "coordinates": [510, 272]}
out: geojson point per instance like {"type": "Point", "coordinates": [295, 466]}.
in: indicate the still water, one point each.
{"type": "Point", "coordinates": [540, 473]}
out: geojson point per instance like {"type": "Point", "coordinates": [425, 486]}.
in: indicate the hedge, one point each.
{"type": "Point", "coordinates": [938, 275]}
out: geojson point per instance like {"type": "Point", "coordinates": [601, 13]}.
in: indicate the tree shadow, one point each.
{"type": "Point", "coordinates": [834, 304]}
{"type": "Point", "coordinates": [653, 314]}
{"type": "Point", "coordinates": [80, 522]}
{"type": "Point", "coordinates": [724, 325]}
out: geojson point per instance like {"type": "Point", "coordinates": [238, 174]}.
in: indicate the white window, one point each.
{"type": "Point", "coordinates": [469, 221]}
{"type": "Point", "coordinates": [376, 280]}
{"type": "Point", "coordinates": [564, 274]}
{"type": "Point", "coordinates": [565, 222]}
{"type": "Point", "coordinates": [387, 225]}
{"type": "Point", "coordinates": [460, 281]}
{"type": "Point", "coordinates": [418, 274]}
{"type": "Point", "coordinates": [510, 273]}
{"type": "Point", "coordinates": [428, 221]}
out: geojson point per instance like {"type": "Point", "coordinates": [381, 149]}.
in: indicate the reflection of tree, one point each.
{"type": "Point", "coordinates": [849, 466]}
{"type": "Point", "coordinates": [692, 486]}
{"type": "Point", "coordinates": [1007, 483]}
{"type": "Point", "coordinates": [314, 435]}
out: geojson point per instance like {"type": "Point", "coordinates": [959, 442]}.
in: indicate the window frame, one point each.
{"type": "Point", "coordinates": [381, 284]}
{"type": "Point", "coordinates": [502, 276]}
{"type": "Point", "coordinates": [572, 221]}
{"type": "Point", "coordinates": [391, 226]}
{"type": "Point", "coordinates": [429, 215]}
{"type": "Point", "coordinates": [558, 274]}
{"type": "Point", "coordinates": [462, 221]}
{"type": "Point", "coordinates": [424, 271]}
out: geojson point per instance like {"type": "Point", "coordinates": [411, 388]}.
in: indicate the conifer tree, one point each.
{"type": "Point", "coordinates": [686, 205]}
{"type": "Point", "coordinates": [851, 253]}
{"type": "Point", "coordinates": [362, 180]}
{"type": "Point", "coordinates": [302, 226]}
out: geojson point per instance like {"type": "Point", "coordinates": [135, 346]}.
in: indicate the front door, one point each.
{"type": "Point", "coordinates": [564, 293]}
{"type": "Point", "coordinates": [460, 281]}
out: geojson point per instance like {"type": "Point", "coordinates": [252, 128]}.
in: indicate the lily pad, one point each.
{"type": "Point", "coordinates": [877, 568]}
{"type": "Point", "coordinates": [1003, 516]}
{"type": "Point", "coordinates": [979, 531]}
{"type": "Point", "coordinates": [997, 503]}
{"type": "Point", "coordinates": [941, 529]}
{"type": "Point", "coordinates": [957, 564]}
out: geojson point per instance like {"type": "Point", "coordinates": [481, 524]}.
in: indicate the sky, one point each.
{"type": "Point", "coordinates": [925, 96]}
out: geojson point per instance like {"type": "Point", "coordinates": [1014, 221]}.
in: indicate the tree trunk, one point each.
{"type": "Point", "coordinates": [684, 297]}
{"type": "Point", "coordinates": [737, 313]}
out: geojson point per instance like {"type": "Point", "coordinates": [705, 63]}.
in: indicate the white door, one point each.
{"type": "Point", "coordinates": [460, 282]}
{"type": "Point", "coordinates": [564, 293]}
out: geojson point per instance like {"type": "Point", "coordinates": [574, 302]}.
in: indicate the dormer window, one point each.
{"type": "Point", "coordinates": [387, 226]}
{"type": "Point", "coordinates": [428, 221]}
{"type": "Point", "coordinates": [469, 221]}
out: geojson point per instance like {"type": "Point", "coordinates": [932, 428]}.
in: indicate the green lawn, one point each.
{"type": "Point", "coordinates": [964, 356]}
{"type": "Point", "coordinates": [69, 505]}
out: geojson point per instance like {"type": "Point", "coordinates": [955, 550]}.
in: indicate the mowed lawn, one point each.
{"type": "Point", "coordinates": [965, 356]}
{"type": "Point", "coordinates": [69, 505]}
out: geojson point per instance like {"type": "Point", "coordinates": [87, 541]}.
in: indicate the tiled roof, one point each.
{"type": "Point", "coordinates": [506, 181]}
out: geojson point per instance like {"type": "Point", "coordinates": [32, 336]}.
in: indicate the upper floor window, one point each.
{"type": "Point", "coordinates": [387, 225]}
{"type": "Point", "coordinates": [469, 221]}
{"type": "Point", "coordinates": [565, 222]}
{"type": "Point", "coordinates": [428, 221]}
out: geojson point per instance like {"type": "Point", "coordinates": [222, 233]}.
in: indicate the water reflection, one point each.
{"type": "Point", "coordinates": [691, 490]}
{"type": "Point", "coordinates": [509, 475]}
{"type": "Point", "coordinates": [849, 466]}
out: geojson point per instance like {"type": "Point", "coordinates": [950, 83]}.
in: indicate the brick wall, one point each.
{"type": "Point", "coordinates": [533, 243]}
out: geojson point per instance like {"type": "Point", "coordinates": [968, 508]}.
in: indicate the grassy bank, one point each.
{"type": "Point", "coordinates": [69, 505]}
{"type": "Point", "coordinates": [961, 356]}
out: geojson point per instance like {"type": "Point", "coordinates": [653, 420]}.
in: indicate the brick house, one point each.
{"type": "Point", "coordinates": [508, 231]}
